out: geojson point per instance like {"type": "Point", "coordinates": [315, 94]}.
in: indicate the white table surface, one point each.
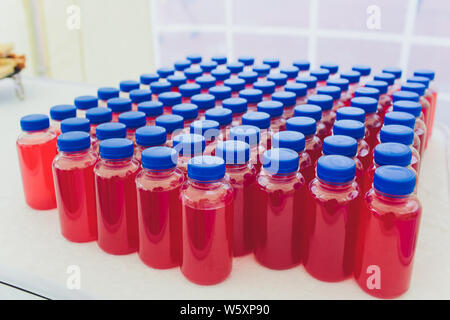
{"type": "Point", "coordinates": [35, 257]}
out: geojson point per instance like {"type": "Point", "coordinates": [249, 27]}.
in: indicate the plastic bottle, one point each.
{"type": "Point", "coordinates": [311, 83]}
{"type": "Point", "coordinates": [372, 121]}
{"type": "Point", "coordinates": [315, 112]}
{"type": "Point", "coordinates": [205, 83]}
{"type": "Point", "coordinates": [97, 116]}
{"type": "Point", "coordinates": [262, 121]}
{"type": "Point", "coordinates": [307, 126]}
{"type": "Point", "coordinates": [253, 97]}
{"type": "Point", "coordinates": [236, 85]}
{"type": "Point", "coordinates": [133, 120]}
{"type": "Point", "coordinates": [335, 93]}
{"type": "Point", "coordinates": [389, 78]}
{"type": "Point", "coordinates": [207, 211]}
{"type": "Point", "coordinates": [73, 172]}
{"type": "Point", "coordinates": [176, 81]}
{"type": "Point", "coordinates": [203, 102]}
{"type": "Point", "coordinates": [345, 96]}
{"type": "Point", "coordinates": [250, 135]}
{"type": "Point", "coordinates": [300, 90]}
{"type": "Point", "coordinates": [147, 79]}
{"type": "Point", "coordinates": [192, 73]}
{"type": "Point", "coordinates": [430, 74]}
{"type": "Point", "coordinates": [83, 103]}
{"type": "Point", "coordinates": [364, 70]}
{"type": "Point", "coordinates": [188, 111]}
{"type": "Point", "coordinates": [273, 62]}
{"type": "Point", "coordinates": [139, 95]}
{"type": "Point", "coordinates": [224, 117]}
{"type": "Point", "coordinates": [384, 100]}
{"type": "Point", "coordinates": [152, 110]}
{"type": "Point", "coordinates": [235, 68]}
{"type": "Point", "coordinates": [165, 72]}
{"type": "Point", "coordinates": [280, 80]}
{"type": "Point", "coordinates": [195, 59]}
{"type": "Point", "coordinates": [126, 86]}
{"type": "Point", "coordinates": [159, 87]}
{"type": "Point", "coordinates": [220, 59]}
{"type": "Point", "coordinates": [248, 62]}
{"type": "Point", "coordinates": [76, 124]}
{"type": "Point", "coordinates": [108, 131]}
{"type": "Point", "coordinates": [207, 66]}
{"type": "Point", "coordinates": [238, 107]}
{"type": "Point", "coordinates": [173, 124]}
{"type": "Point", "coordinates": [275, 110]}
{"type": "Point", "coordinates": [404, 119]}
{"type": "Point", "coordinates": [331, 67]}
{"type": "Point", "coordinates": [181, 65]}
{"type": "Point", "coordinates": [147, 137]}
{"type": "Point", "coordinates": [220, 93]}
{"type": "Point", "coordinates": [209, 129]}
{"type": "Point", "coordinates": [351, 113]}
{"type": "Point", "coordinates": [221, 75]}
{"type": "Point", "coordinates": [59, 113]}
{"type": "Point", "coordinates": [291, 72]}
{"type": "Point", "coordinates": [267, 87]}
{"type": "Point", "coordinates": [408, 96]}
{"type": "Point", "coordinates": [262, 70]}
{"type": "Point", "coordinates": [36, 148]}
{"type": "Point", "coordinates": [397, 72]}
{"type": "Point", "coordinates": [106, 93]}
{"type": "Point", "coordinates": [169, 99]}
{"type": "Point", "coordinates": [321, 76]}
{"type": "Point", "coordinates": [353, 77]}
{"type": "Point", "coordinates": [302, 65]}
{"type": "Point", "coordinates": [325, 102]}
{"type": "Point", "coordinates": [288, 99]}
{"type": "Point", "coordinates": [188, 145]}
{"type": "Point", "coordinates": [118, 106]}
{"type": "Point", "coordinates": [390, 221]}
{"type": "Point", "coordinates": [188, 90]}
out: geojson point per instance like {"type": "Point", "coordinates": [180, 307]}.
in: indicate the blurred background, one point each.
{"type": "Point", "coordinates": [101, 42]}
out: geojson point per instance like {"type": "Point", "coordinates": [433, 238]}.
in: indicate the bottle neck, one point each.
{"type": "Point", "coordinates": [159, 173]}
{"type": "Point", "coordinates": [335, 186]}
{"type": "Point", "coordinates": [78, 153]}
{"type": "Point", "coordinates": [236, 167]}
{"type": "Point", "coordinates": [212, 184]}
{"type": "Point", "coordinates": [117, 162]}
{"type": "Point", "coordinates": [280, 176]}
{"type": "Point", "coordinates": [390, 197]}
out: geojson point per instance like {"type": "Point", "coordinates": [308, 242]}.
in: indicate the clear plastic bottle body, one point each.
{"type": "Point", "coordinates": [55, 126]}
{"type": "Point", "coordinates": [420, 129]}
{"type": "Point", "coordinates": [346, 98]}
{"type": "Point", "coordinates": [434, 92]}
{"type": "Point", "coordinates": [426, 110]}
{"type": "Point", "coordinates": [337, 104]}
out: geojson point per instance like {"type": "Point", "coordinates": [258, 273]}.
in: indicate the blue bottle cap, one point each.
{"type": "Point", "coordinates": [170, 122]}
{"type": "Point", "coordinates": [210, 129]}
{"type": "Point", "coordinates": [397, 133]}
{"type": "Point", "coordinates": [62, 111]}
{"type": "Point", "coordinates": [280, 79]}
{"type": "Point", "coordinates": [323, 101]}
{"type": "Point", "coordinates": [402, 118]}
{"type": "Point", "coordinates": [310, 81]}
{"type": "Point", "coordinates": [300, 89]}
{"type": "Point", "coordinates": [99, 115]}
{"type": "Point", "coordinates": [235, 67]}
{"type": "Point", "coordinates": [394, 180]}
{"type": "Point", "coordinates": [423, 80]}
{"type": "Point", "coordinates": [183, 64]}
{"type": "Point", "coordinates": [257, 119]}
{"type": "Point", "coordinates": [194, 58]}
{"type": "Point", "coordinates": [176, 80]}
{"type": "Point", "coordinates": [405, 95]}
{"type": "Point", "coordinates": [333, 91]}
{"type": "Point", "coordinates": [368, 92]}
{"type": "Point", "coordinates": [164, 72]}
{"type": "Point", "coordinates": [351, 113]}
{"type": "Point", "coordinates": [339, 82]}
{"type": "Point", "coordinates": [189, 89]}
{"type": "Point", "coordinates": [206, 168]}
{"type": "Point", "coordinates": [86, 102]}
{"type": "Point", "coordinates": [248, 76]}
{"type": "Point", "coordinates": [204, 101]}
{"type": "Point", "coordinates": [208, 66]}
{"type": "Point", "coordinates": [140, 95]}
{"type": "Point", "coordinates": [151, 136]}
{"type": "Point", "coordinates": [188, 111]}
{"type": "Point", "coordinates": [362, 68]}
{"type": "Point", "coordinates": [148, 78]}
{"type": "Point", "coordinates": [340, 145]}
{"type": "Point", "coordinates": [221, 74]}
{"type": "Point", "coordinates": [287, 98]}
{"type": "Point", "coordinates": [236, 84]}
{"type": "Point", "coordinates": [272, 62]}
{"type": "Point", "coordinates": [280, 161]}
{"type": "Point", "coordinates": [233, 151]}
{"type": "Point", "coordinates": [410, 107]}
{"type": "Point", "coordinates": [425, 73]}
{"type": "Point", "coordinates": [159, 158]}
{"type": "Point", "coordinates": [261, 69]}
{"type": "Point", "coordinates": [320, 74]}
{"type": "Point", "coordinates": [133, 119]}
{"type": "Point", "coordinates": [219, 59]}
{"type": "Point", "coordinates": [369, 105]}
{"type": "Point", "coordinates": [336, 169]}
{"type": "Point", "coordinates": [236, 105]}
{"type": "Point", "coordinates": [386, 77]}
{"type": "Point", "coordinates": [251, 95]}
{"type": "Point", "coordinates": [246, 133]}
{"type": "Point", "coordinates": [116, 148]}
{"type": "Point", "coordinates": [414, 87]}
{"type": "Point", "coordinates": [290, 71]}
{"type": "Point", "coordinates": [189, 144]}
{"type": "Point", "coordinates": [308, 110]}
{"type": "Point", "coordinates": [106, 93]}
{"type": "Point", "coordinates": [223, 116]}
{"type": "Point", "coordinates": [74, 141]}
{"type": "Point", "coordinates": [305, 125]}
{"type": "Point", "coordinates": [272, 107]}
{"type": "Point", "coordinates": [330, 66]}
{"type": "Point", "coordinates": [392, 153]}
{"type": "Point", "coordinates": [247, 60]}
{"type": "Point", "coordinates": [75, 124]}
{"type": "Point", "coordinates": [206, 82]}
{"type": "Point", "coordinates": [293, 140]}
{"type": "Point", "coordinates": [381, 86]}
{"type": "Point", "coordinates": [351, 128]}
{"type": "Point", "coordinates": [151, 108]}
{"type": "Point", "coordinates": [160, 87]}
{"type": "Point", "coordinates": [193, 73]}
{"type": "Point", "coordinates": [352, 76]}
{"type": "Point", "coordinates": [267, 87]}
{"type": "Point", "coordinates": [128, 85]}
{"type": "Point", "coordinates": [111, 130]}
{"type": "Point", "coordinates": [34, 122]}
{"type": "Point", "coordinates": [220, 92]}
{"type": "Point", "coordinates": [302, 65]}
{"type": "Point", "coordinates": [170, 98]}
{"type": "Point", "coordinates": [396, 71]}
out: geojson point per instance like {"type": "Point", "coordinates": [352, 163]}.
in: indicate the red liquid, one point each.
{"type": "Point", "coordinates": [426, 110]}
{"type": "Point", "coordinates": [75, 195]}
{"type": "Point", "coordinates": [207, 211]}
{"type": "Point", "coordinates": [420, 129]}
{"type": "Point", "coordinates": [251, 107]}
{"type": "Point", "coordinates": [364, 154]}
{"type": "Point", "coordinates": [117, 206]}
{"type": "Point", "coordinates": [36, 151]}
{"type": "Point", "coordinates": [313, 146]}
{"type": "Point", "coordinates": [277, 124]}
{"type": "Point", "coordinates": [373, 126]}
{"type": "Point", "coordinates": [330, 230]}
{"type": "Point", "coordinates": [433, 111]}
{"type": "Point", "coordinates": [328, 118]}
{"type": "Point", "coordinates": [386, 244]}
{"type": "Point", "coordinates": [385, 102]}
{"type": "Point", "coordinates": [337, 104]}
{"type": "Point", "coordinates": [346, 98]}
{"type": "Point", "coordinates": [256, 155]}
{"type": "Point", "coordinates": [159, 216]}
{"type": "Point", "coordinates": [279, 209]}
{"type": "Point", "coordinates": [237, 119]}
{"type": "Point", "coordinates": [306, 167]}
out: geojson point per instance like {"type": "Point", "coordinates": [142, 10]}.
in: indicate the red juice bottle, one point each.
{"type": "Point", "coordinates": [335, 93]}
{"type": "Point", "coordinates": [248, 62]}
{"type": "Point", "coordinates": [408, 96]}
{"type": "Point", "coordinates": [291, 72]}
{"type": "Point", "coordinates": [288, 99]}
{"type": "Point", "coordinates": [307, 126]}
{"type": "Point", "coordinates": [159, 87]}
{"type": "Point", "coordinates": [96, 117]}
{"type": "Point", "coordinates": [133, 120]}
{"type": "Point", "coordinates": [204, 102]}
{"type": "Point", "coordinates": [430, 74]}
{"type": "Point", "coordinates": [188, 145]}
{"type": "Point", "coordinates": [221, 61]}
{"type": "Point", "coordinates": [73, 173]}
{"type": "Point", "coordinates": [315, 112]}
{"type": "Point", "coordinates": [169, 99]}
{"type": "Point", "coordinates": [260, 120]}
{"type": "Point", "coordinates": [331, 220]}
{"type": "Point", "coordinates": [389, 78]}
{"type": "Point", "coordinates": [396, 84]}
{"type": "Point", "coordinates": [372, 121]}
{"type": "Point", "coordinates": [267, 87]}
{"type": "Point", "coordinates": [420, 90]}
{"type": "Point", "coordinates": [118, 106]}
{"type": "Point", "coordinates": [59, 113]}
{"type": "Point", "coordinates": [36, 148]}
{"type": "Point", "coordinates": [165, 72]}
{"type": "Point", "coordinates": [209, 129]}
{"type": "Point", "coordinates": [207, 211]}
{"type": "Point", "coordinates": [390, 220]}
{"type": "Point", "coordinates": [300, 90]}
{"type": "Point", "coordinates": [384, 99]}
{"type": "Point", "coordinates": [192, 73]}
{"type": "Point", "coordinates": [303, 66]}
{"type": "Point", "coordinates": [242, 177]}
{"type": "Point", "coordinates": [220, 93]}
{"type": "Point", "coordinates": [279, 209]}
{"type": "Point", "coordinates": [236, 85]}
{"type": "Point", "coordinates": [321, 76]}
{"type": "Point", "coordinates": [181, 65]}
{"type": "Point", "coordinates": [152, 110]}
{"type": "Point", "coordinates": [364, 70]}
{"type": "Point", "coordinates": [147, 79]}
{"type": "Point", "coordinates": [158, 187]}
{"type": "Point", "coordinates": [147, 137]}
{"type": "Point", "coordinates": [221, 74]}
{"type": "Point", "coordinates": [275, 111]}
{"type": "Point", "coordinates": [139, 95]}
{"type": "Point", "coordinates": [235, 68]}
{"type": "Point", "coordinates": [176, 81]}
{"type": "Point", "coordinates": [208, 66]}
{"type": "Point", "coordinates": [404, 119]}
{"type": "Point", "coordinates": [296, 141]}
{"type": "Point", "coordinates": [84, 103]}
{"type": "Point", "coordinates": [106, 93]}
{"type": "Point", "coordinates": [238, 107]}
{"type": "Point", "coordinates": [195, 60]}
{"type": "Point", "coordinates": [353, 77]}
{"type": "Point", "coordinates": [224, 117]}
{"type": "Point", "coordinates": [109, 130]}
{"type": "Point", "coordinates": [262, 70]}
{"type": "Point", "coordinates": [252, 136]}
{"type": "Point", "coordinates": [115, 186]}
{"type": "Point", "coordinates": [356, 130]}
{"type": "Point", "coordinates": [188, 111]}
{"type": "Point", "coordinates": [311, 83]}
{"type": "Point", "coordinates": [126, 86]}
{"type": "Point", "coordinates": [332, 68]}
{"type": "Point", "coordinates": [345, 96]}
{"type": "Point", "coordinates": [325, 102]}
{"type": "Point", "coordinates": [188, 90]}
{"type": "Point", "coordinates": [273, 62]}
{"type": "Point", "coordinates": [280, 80]}
{"type": "Point", "coordinates": [205, 82]}
{"type": "Point", "coordinates": [174, 125]}
{"type": "Point", "coordinates": [253, 97]}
